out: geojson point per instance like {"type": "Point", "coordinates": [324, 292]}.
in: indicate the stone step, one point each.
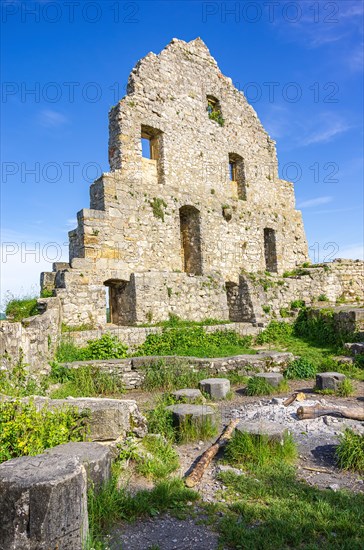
{"type": "Point", "coordinates": [195, 413]}
{"type": "Point", "coordinates": [189, 395]}
{"type": "Point", "coordinates": [273, 378]}
{"type": "Point", "coordinates": [329, 380]}
{"type": "Point", "coordinates": [95, 458]}
{"type": "Point", "coordinates": [216, 388]}
{"type": "Point", "coordinates": [43, 503]}
{"type": "Point", "coordinates": [272, 430]}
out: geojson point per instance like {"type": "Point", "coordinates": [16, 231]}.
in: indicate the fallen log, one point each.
{"type": "Point", "coordinates": [305, 413]}
{"type": "Point", "coordinates": [296, 395]}
{"type": "Point", "coordinates": [290, 399]}
{"type": "Point", "coordinates": [197, 472]}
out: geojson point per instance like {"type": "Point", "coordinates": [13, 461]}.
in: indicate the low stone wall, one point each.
{"type": "Point", "coordinates": [134, 337]}
{"type": "Point", "coordinates": [132, 371]}
{"type": "Point", "coordinates": [34, 339]}
{"type": "Point", "coordinates": [263, 297]}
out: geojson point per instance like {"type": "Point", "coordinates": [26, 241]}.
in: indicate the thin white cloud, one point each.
{"type": "Point", "coordinates": [333, 128]}
{"type": "Point", "coordinates": [310, 203]}
{"type": "Point", "coordinates": [52, 119]}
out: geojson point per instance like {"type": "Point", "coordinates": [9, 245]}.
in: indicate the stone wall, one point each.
{"type": "Point", "coordinates": [338, 281]}
{"type": "Point", "coordinates": [33, 340]}
{"type": "Point", "coordinates": [132, 370]}
{"type": "Point", "coordinates": [179, 213]}
{"type": "Point", "coordinates": [134, 337]}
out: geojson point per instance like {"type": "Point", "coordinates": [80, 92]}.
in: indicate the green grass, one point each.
{"type": "Point", "coordinates": [345, 388]}
{"type": "Point", "coordinates": [106, 347]}
{"type": "Point", "coordinates": [250, 450]}
{"type": "Point", "coordinates": [270, 509]}
{"type": "Point", "coordinates": [160, 459]}
{"type": "Point", "coordinates": [174, 376]}
{"type": "Point", "coordinates": [18, 309]}
{"type": "Point", "coordinates": [175, 321]}
{"type": "Point", "coordinates": [194, 341]}
{"type": "Point", "coordinates": [25, 431]}
{"type": "Point", "coordinates": [260, 386]}
{"type": "Point", "coordinates": [113, 504]}
{"type": "Point", "coordinates": [301, 368]}
{"type": "Point", "coordinates": [160, 421]}
{"type": "Point", "coordinates": [350, 451]}
{"type": "Point", "coordinates": [87, 381]}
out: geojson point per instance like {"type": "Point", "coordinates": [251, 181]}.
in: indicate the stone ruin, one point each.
{"type": "Point", "coordinates": [192, 220]}
{"type": "Point", "coordinates": [171, 230]}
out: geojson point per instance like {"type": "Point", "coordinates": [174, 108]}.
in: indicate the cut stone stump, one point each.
{"type": "Point", "coordinates": [96, 459]}
{"type": "Point", "coordinates": [109, 418]}
{"type": "Point", "coordinates": [273, 378]}
{"type": "Point", "coordinates": [329, 380]}
{"type": "Point", "coordinates": [189, 395]}
{"type": "Point", "coordinates": [196, 413]}
{"type": "Point", "coordinates": [43, 503]}
{"type": "Point", "coordinates": [273, 430]}
{"type": "Point", "coordinates": [217, 388]}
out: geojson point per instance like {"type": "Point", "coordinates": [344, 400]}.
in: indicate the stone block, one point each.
{"type": "Point", "coordinates": [196, 413]}
{"type": "Point", "coordinates": [95, 458]}
{"type": "Point", "coordinates": [189, 395]}
{"type": "Point", "coordinates": [329, 380]}
{"type": "Point", "coordinates": [109, 418]}
{"type": "Point", "coordinates": [355, 348]}
{"type": "Point", "coordinates": [272, 430]}
{"type": "Point", "coordinates": [43, 503]}
{"type": "Point", "coordinates": [273, 378]}
{"type": "Point", "coordinates": [217, 388]}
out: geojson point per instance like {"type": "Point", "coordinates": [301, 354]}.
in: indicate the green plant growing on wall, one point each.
{"type": "Point", "coordinates": [18, 309]}
{"type": "Point", "coordinates": [216, 116]}
{"type": "Point", "coordinates": [25, 431]}
{"type": "Point", "coordinates": [301, 368]}
{"type": "Point", "coordinates": [323, 298]}
{"type": "Point", "coordinates": [158, 205]}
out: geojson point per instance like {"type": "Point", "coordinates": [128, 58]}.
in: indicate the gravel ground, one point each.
{"type": "Point", "coordinates": [316, 440]}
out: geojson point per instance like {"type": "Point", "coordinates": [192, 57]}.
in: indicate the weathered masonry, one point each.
{"type": "Point", "coordinates": [193, 199]}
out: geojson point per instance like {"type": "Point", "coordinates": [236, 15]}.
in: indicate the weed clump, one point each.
{"type": "Point", "coordinates": [301, 368]}
{"type": "Point", "coordinates": [350, 451]}
{"type": "Point", "coordinates": [25, 431]}
{"type": "Point", "coordinates": [106, 347]}
{"type": "Point", "coordinates": [251, 450]}
{"type": "Point", "coordinates": [114, 503]}
{"type": "Point", "coordinates": [195, 341]}
{"type": "Point", "coordinates": [87, 381]}
{"type": "Point", "coordinates": [275, 331]}
{"type": "Point", "coordinates": [260, 386]}
{"type": "Point", "coordinates": [18, 309]}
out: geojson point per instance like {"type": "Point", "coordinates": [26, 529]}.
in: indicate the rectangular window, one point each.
{"type": "Point", "coordinates": [237, 174]}
{"type": "Point", "coordinates": [150, 142]}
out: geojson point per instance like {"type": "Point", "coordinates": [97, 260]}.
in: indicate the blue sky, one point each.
{"type": "Point", "coordinates": [65, 63]}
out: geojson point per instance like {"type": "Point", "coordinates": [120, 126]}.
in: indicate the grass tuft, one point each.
{"type": "Point", "coordinates": [87, 381]}
{"type": "Point", "coordinates": [113, 504]}
{"type": "Point", "coordinates": [252, 450]}
{"type": "Point", "coordinates": [350, 451]}
{"type": "Point", "coordinates": [260, 386]}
